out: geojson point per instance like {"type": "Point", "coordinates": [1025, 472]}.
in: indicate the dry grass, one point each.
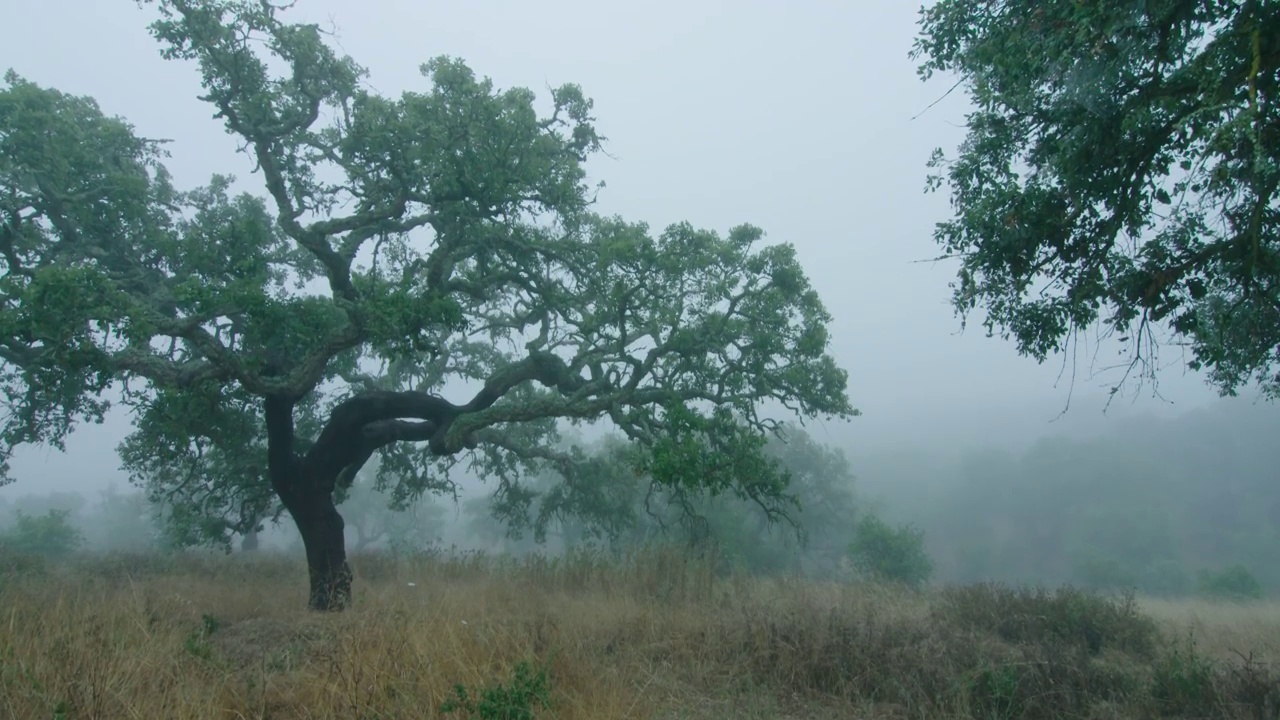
{"type": "Point", "coordinates": [655, 636]}
{"type": "Point", "coordinates": [1222, 630]}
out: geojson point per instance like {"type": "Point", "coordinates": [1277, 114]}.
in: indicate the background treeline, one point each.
{"type": "Point", "coordinates": [1166, 506]}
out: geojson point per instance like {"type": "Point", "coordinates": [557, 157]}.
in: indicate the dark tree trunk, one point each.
{"type": "Point", "coordinates": [356, 429]}
{"type": "Point", "coordinates": [321, 526]}
{"type": "Point", "coordinates": [306, 490]}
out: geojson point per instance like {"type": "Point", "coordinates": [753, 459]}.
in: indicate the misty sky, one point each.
{"type": "Point", "coordinates": [794, 117]}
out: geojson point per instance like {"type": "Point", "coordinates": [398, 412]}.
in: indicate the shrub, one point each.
{"type": "Point", "coordinates": [518, 700]}
{"type": "Point", "coordinates": [995, 693]}
{"type": "Point", "coordinates": [1183, 683]}
{"type": "Point", "coordinates": [14, 564]}
{"type": "Point", "coordinates": [1233, 583]}
{"type": "Point", "coordinates": [48, 535]}
{"type": "Point", "coordinates": [1036, 616]}
{"type": "Point", "coordinates": [890, 554]}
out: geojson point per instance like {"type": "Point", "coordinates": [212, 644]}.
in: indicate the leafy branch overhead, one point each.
{"type": "Point", "coordinates": [1121, 165]}
{"type": "Point", "coordinates": [406, 251]}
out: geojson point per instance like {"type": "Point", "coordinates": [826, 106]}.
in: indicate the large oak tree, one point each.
{"type": "Point", "coordinates": [423, 278]}
{"type": "Point", "coordinates": [1121, 167]}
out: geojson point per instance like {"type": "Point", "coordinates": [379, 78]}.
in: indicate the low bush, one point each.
{"type": "Point", "coordinates": [1066, 616]}
{"type": "Point", "coordinates": [884, 553]}
{"type": "Point", "coordinates": [1232, 583]}
{"type": "Point", "coordinates": [48, 535]}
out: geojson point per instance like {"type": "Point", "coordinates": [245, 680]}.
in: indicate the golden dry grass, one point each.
{"type": "Point", "coordinates": [1222, 630]}
{"type": "Point", "coordinates": [656, 636]}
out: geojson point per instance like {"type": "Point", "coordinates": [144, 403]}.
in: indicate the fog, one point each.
{"type": "Point", "coordinates": [806, 119]}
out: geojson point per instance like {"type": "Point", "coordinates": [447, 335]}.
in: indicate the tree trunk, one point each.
{"type": "Point", "coordinates": [321, 526]}
{"type": "Point", "coordinates": [306, 490]}
{"type": "Point", "coordinates": [364, 540]}
{"type": "Point", "coordinates": [249, 542]}
{"type": "Point", "coordinates": [355, 430]}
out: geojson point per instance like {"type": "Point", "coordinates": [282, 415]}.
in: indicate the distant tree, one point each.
{"type": "Point", "coordinates": [1232, 583]}
{"type": "Point", "coordinates": [885, 553]}
{"type": "Point", "coordinates": [51, 534]}
{"type": "Point", "coordinates": [1143, 505]}
{"type": "Point", "coordinates": [617, 508]}
{"type": "Point", "coordinates": [1102, 572]}
{"type": "Point", "coordinates": [601, 504]}
{"type": "Point", "coordinates": [439, 240]}
{"type": "Point", "coordinates": [1122, 165]}
{"type": "Point", "coordinates": [122, 521]}
{"type": "Point", "coordinates": [376, 520]}
{"type": "Point", "coordinates": [814, 539]}
{"type": "Point", "coordinates": [70, 503]}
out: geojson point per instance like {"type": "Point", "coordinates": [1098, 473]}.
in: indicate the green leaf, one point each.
{"type": "Point", "coordinates": [1079, 110]}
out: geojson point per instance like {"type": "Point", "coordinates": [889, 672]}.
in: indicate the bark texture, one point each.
{"type": "Point", "coordinates": [306, 490]}
{"type": "Point", "coordinates": [320, 525]}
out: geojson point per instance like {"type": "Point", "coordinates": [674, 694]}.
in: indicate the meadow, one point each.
{"type": "Point", "coordinates": [657, 635]}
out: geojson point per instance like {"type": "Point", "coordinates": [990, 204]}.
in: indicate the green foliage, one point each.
{"type": "Point", "coordinates": [886, 553]}
{"type": "Point", "coordinates": [994, 693]}
{"type": "Point", "coordinates": [399, 245]}
{"type": "Point", "coordinates": [527, 692]}
{"type": "Point", "coordinates": [15, 564]}
{"type": "Point", "coordinates": [1231, 583]}
{"type": "Point", "coordinates": [49, 535]}
{"type": "Point", "coordinates": [197, 642]}
{"type": "Point", "coordinates": [1102, 572]}
{"type": "Point", "coordinates": [1120, 167]}
{"type": "Point", "coordinates": [1183, 683]}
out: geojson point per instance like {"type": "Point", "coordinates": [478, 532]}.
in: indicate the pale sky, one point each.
{"type": "Point", "coordinates": [796, 117]}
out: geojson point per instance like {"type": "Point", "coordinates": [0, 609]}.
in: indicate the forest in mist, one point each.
{"type": "Point", "coordinates": [1156, 505]}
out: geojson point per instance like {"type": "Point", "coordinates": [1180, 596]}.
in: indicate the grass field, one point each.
{"type": "Point", "coordinates": [655, 636]}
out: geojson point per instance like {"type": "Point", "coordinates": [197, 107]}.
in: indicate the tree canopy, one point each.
{"type": "Point", "coordinates": [1121, 168]}
{"type": "Point", "coordinates": [407, 250]}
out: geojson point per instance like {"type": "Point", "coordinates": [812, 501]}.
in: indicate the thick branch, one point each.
{"type": "Point", "coordinates": [378, 435]}
{"type": "Point", "coordinates": [362, 424]}
{"type": "Point", "coordinates": [337, 267]}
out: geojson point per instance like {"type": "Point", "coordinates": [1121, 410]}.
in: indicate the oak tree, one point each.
{"type": "Point", "coordinates": [423, 278]}
{"type": "Point", "coordinates": [1120, 171]}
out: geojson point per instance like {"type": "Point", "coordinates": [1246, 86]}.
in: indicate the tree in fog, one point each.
{"type": "Point", "coordinates": [1121, 166]}
{"type": "Point", "coordinates": [616, 508]}
{"type": "Point", "coordinates": [408, 250]}
{"type": "Point", "coordinates": [885, 553]}
{"type": "Point", "coordinates": [70, 504]}
{"type": "Point", "coordinates": [123, 522]}
{"type": "Point", "coordinates": [1150, 504]}
{"type": "Point", "coordinates": [52, 534]}
{"type": "Point", "coordinates": [376, 520]}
